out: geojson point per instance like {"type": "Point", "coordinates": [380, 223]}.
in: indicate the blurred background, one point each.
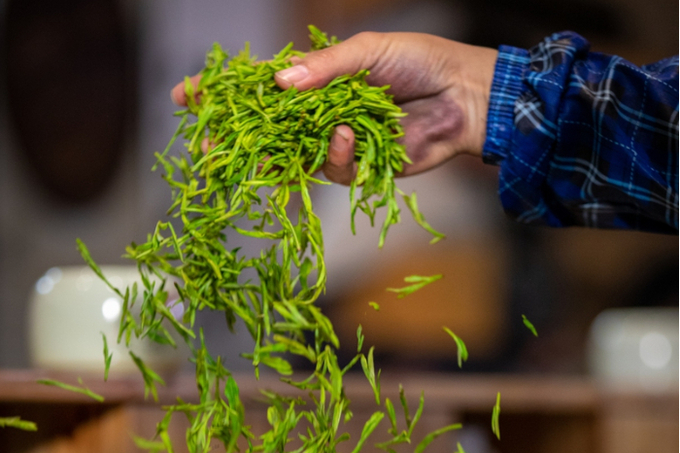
{"type": "Point", "coordinates": [84, 103]}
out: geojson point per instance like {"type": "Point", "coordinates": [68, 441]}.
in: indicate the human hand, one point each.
{"type": "Point", "coordinates": [443, 85]}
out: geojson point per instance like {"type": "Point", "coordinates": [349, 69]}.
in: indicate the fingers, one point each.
{"type": "Point", "coordinates": [320, 67]}
{"type": "Point", "coordinates": [178, 95]}
{"type": "Point", "coordinates": [340, 166]}
{"type": "Point", "coordinates": [206, 145]}
{"type": "Point", "coordinates": [361, 51]}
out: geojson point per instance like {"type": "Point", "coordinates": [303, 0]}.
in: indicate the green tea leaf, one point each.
{"type": "Point", "coordinates": [495, 427]}
{"type": "Point", "coordinates": [418, 414]}
{"type": "Point", "coordinates": [18, 423]}
{"type": "Point", "coordinates": [150, 445]}
{"type": "Point", "coordinates": [412, 204]}
{"type": "Point", "coordinates": [418, 283]}
{"type": "Point", "coordinates": [529, 325]}
{"type": "Point", "coordinates": [392, 415]}
{"type": "Point", "coordinates": [369, 370]}
{"type": "Point", "coordinates": [85, 253]}
{"type": "Point", "coordinates": [404, 405]}
{"type": "Point", "coordinates": [360, 338]}
{"type": "Point", "coordinates": [427, 440]}
{"type": "Point", "coordinates": [462, 352]}
{"type": "Point", "coordinates": [71, 388]}
{"type": "Point", "coordinates": [150, 377]}
{"type": "Point", "coordinates": [370, 426]}
{"type": "Point", "coordinates": [107, 357]}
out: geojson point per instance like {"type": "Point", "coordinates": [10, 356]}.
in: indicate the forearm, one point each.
{"type": "Point", "coordinates": [583, 138]}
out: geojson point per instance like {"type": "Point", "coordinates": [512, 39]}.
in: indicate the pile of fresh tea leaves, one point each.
{"type": "Point", "coordinates": [267, 144]}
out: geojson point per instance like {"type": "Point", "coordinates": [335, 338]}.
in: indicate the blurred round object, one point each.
{"type": "Point", "coordinates": [636, 348]}
{"type": "Point", "coordinates": [71, 308]}
{"type": "Point", "coordinates": [70, 92]}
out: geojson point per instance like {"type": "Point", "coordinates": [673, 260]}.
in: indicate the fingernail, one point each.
{"type": "Point", "coordinates": [342, 131]}
{"type": "Point", "coordinates": [339, 140]}
{"type": "Point", "coordinates": [294, 74]}
{"type": "Point", "coordinates": [172, 96]}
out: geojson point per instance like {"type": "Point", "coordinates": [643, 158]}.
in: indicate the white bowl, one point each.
{"type": "Point", "coordinates": [71, 307]}
{"type": "Point", "coordinates": [635, 348]}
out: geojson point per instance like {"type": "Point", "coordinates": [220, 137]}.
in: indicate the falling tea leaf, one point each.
{"type": "Point", "coordinates": [462, 351]}
{"type": "Point", "coordinates": [107, 357]}
{"type": "Point", "coordinates": [71, 388]}
{"type": "Point", "coordinates": [495, 427]}
{"type": "Point", "coordinates": [418, 283]}
{"type": "Point", "coordinates": [18, 423]}
{"type": "Point", "coordinates": [529, 325]}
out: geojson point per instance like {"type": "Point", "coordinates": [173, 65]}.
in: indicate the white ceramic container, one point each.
{"type": "Point", "coordinates": [635, 348]}
{"type": "Point", "coordinates": [71, 307]}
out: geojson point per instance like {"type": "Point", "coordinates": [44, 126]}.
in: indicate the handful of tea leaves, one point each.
{"type": "Point", "coordinates": [266, 145]}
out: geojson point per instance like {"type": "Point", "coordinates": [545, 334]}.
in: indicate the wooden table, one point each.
{"type": "Point", "coordinates": [538, 413]}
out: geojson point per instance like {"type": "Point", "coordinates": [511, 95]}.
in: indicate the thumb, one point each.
{"type": "Point", "coordinates": [318, 68]}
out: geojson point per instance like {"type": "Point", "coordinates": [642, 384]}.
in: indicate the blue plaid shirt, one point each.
{"type": "Point", "coordinates": [584, 138]}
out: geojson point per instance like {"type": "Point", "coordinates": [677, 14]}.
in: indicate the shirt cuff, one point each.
{"type": "Point", "coordinates": [511, 65]}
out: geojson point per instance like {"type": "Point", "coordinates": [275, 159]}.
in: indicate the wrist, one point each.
{"type": "Point", "coordinates": [478, 76]}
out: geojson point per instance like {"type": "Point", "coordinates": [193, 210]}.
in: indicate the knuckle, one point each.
{"type": "Point", "coordinates": [325, 54]}
{"type": "Point", "coordinates": [320, 59]}
{"type": "Point", "coordinates": [368, 37]}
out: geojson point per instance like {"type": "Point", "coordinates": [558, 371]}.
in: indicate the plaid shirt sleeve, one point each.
{"type": "Point", "coordinates": [584, 138]}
